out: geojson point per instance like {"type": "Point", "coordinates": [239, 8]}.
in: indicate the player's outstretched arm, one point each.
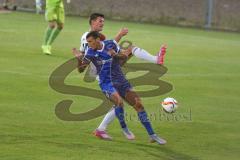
{"type": "Point", "coordinates": [122, 56]}
{"type": "Point", "coordinates": [82, 65]}
{"type": "Point", "coordinates": [78, 54]}
{"type": "Point", "coordinates": [123, 32]}
{"type": "Point", "coordinates": [128, 54]}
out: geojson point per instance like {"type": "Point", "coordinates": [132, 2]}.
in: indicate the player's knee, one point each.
{"type": "Point", "coordinates": [119, 102]}
{"type": "Point", "coordinates": [139, 108]}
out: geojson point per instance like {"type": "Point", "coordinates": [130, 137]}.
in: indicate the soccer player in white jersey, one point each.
{"type": "Point", "coordinates": [96, 22]}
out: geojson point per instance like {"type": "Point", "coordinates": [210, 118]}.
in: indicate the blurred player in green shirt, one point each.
{"type": "Point", "coordinates": [54, 14]}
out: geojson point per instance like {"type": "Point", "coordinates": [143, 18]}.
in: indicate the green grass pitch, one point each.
{"type": "Point", "coordinates": [203, 66]}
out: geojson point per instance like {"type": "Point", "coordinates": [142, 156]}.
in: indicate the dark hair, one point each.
{"type": "Point", "coordinates": [93, 34]}
{"type": "Point", "coordinates": [94, 16]}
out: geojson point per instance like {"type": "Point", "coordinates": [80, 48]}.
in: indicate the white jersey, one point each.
{"type": "Point", "coordinates": [83, 43]}
{"type": "Point", "coordinates": [83, 48]}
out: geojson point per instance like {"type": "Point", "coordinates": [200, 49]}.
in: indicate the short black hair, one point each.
{"type": "Point", "coordinates": [94, 16]}
{"type": "Point", "coordinates": [93, 34]}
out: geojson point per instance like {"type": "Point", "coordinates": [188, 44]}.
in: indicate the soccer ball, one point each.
{"type": "Point", "coordinates": [169, 105]}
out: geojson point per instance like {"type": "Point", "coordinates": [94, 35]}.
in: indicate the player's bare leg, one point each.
{"type": "Point", "coordinates": [134, 100]}
{"type": "Point", "coordinates": [77, 53]}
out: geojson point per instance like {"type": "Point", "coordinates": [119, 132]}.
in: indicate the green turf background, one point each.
{"type": "Point", "coordinates": [203, 67]}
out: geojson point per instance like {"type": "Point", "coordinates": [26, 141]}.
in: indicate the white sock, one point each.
{"type": "Point", "coordinates": [142, 54]}
{"type": "Point", "coordinates": [109, 117]}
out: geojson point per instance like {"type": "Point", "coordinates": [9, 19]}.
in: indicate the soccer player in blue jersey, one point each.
{"type": "Point", "coordinates": [96, 21]}
{"type": "Point", "coordinates": [107, 56]}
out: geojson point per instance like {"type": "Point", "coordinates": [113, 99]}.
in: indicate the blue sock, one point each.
{"type": "Point", "coordinates": [144, 120]}
{"type": "Point", "coordinates": [119, 112]}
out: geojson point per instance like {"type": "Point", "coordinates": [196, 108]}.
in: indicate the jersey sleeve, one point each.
{"type": "Point", "coordinates": [84, 44]}
{"type": "Point", "coordinates": [116, 47]}
{"type": "Point", "coordinates": [88, 56]}
{"type": "Point", "coordinates": [112, 44]}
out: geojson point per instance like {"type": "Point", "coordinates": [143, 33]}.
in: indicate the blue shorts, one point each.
{"type": "Point", "coordinates": [121, 87]}
{"type": "Point", "coordinates": [107, 89]}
